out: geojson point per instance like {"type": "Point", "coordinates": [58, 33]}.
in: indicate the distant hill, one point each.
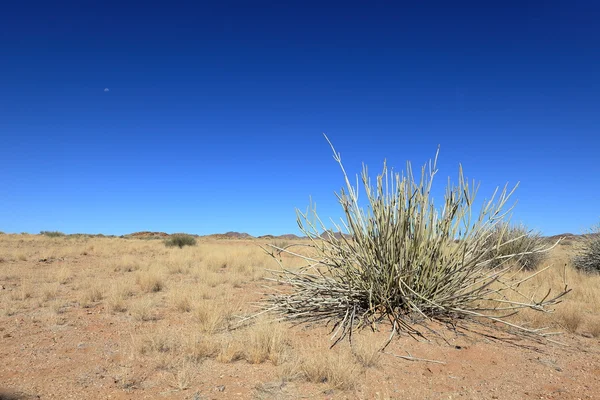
{"type": "Point", "coordinates": [289, 236]}
{"type": "Point", "coordinates": [338, 235]}
{"type": "Point", "coordinates": [147, 235]}
{"type": "Point", "coordinates": [562, 236]}
{"type": "Point", "coordinates": [230, 235]}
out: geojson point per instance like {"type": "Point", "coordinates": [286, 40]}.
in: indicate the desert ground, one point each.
{"type": "Point", "coordinates": [113, 318]}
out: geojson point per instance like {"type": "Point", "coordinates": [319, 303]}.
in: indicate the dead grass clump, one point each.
{"type": "Point", "coordinates": [24, 292]}
{"type": "Point", "coordinates": [211, 318]}
{"type": "Point", "coordinates": [197, 347]}
{"type": "Point", "coordinates": [181, 302]}
{"type": "Point", "coordinates": [150, 282]}
{"type": "Point", "coordinates": [127, 263]}
{"type": "Point", "coordinates": [367, 353]}
{"type": "Point", "coordinates": [569, 316]}
{"type": "Point", "coordinates": [183, 375]}
{"type": "Point", "coordinates": [593, 327]}
{"type": "Point", "coordinates": [117, 298]}
{"type": "Point", "coordinates": [50, 291]}
{"type": "Point", "coordinates": [335, 368]}
{"type": "Point", "coordinates": [64, 276]}
{"type": "Point", "coordinates": [215, 315]}
{"type": "Point", "coordinates": [116, 304]}
{"type": "Point", "coordinates": [231, 350]}
{"type": "Point", "coordinates": [143, 310]}
{"type": "Point", "coordinates": [265, 341]}
{"type": "Point", "coordinates": [159, 342]}
{"type": "Point", "coordinates": [90, 296]}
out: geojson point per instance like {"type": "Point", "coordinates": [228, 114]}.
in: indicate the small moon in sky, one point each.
{"type": "Point", "coordinates": [106, 89]}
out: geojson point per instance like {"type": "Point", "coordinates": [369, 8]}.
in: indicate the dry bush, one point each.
{"type": "Point", "coordinates": [587, 258]}
{"type": "Point", "coordinates": [52, 234]}
{"type": "Point", "coordinates": [405, 260]}
{"type": "Point", "coordinates": [180, 240]}
{"type": "Point", "coordinates": [517, 244]}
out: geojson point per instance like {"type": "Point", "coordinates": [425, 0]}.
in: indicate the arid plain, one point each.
{"type": "Point", "coordinates": [97, 317]}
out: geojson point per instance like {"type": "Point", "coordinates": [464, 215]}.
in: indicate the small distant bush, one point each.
{"type": "Point", "coordinates": [52, 233]}
{"type": "Point", "coordinates": [180, 240]}
{"type": "Point", "coordinates": [518, 245]}
{"type": "Point", "coordinates": [587, 258]}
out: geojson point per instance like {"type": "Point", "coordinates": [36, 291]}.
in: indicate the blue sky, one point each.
{"type": "Point", "coordinates": [214, 116]}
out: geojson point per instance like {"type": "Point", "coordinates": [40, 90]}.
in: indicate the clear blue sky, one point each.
{"type": "Point", "coordinates": [215, 111]}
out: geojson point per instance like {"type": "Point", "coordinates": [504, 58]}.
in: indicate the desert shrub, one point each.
{"type": "Point", "coordinates": [180, 240]}
{"type": "Point", "coordinates": [52, 233]}
{"type": "Point", "coordinates": [587, 257]}
{"type": "Point", "coordinates": [521, 246]}
{"type": "Point", "coordinates": [403, 260]}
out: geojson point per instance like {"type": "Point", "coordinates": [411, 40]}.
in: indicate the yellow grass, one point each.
{"type": "Point", "coordinates": [336, 368]}
{"type": "Point", "coordinates": [183, 305]}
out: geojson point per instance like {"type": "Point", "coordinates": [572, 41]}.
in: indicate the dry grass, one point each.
{"type": "Point", "coordinates": [266, 341]}
{"type": "Point", "coordinates": [180, 307]}
{"type": "Point", "coordinates": [212, 316]}
{"type": "Point", "coordinates": [90, 296]}
{"type": "Point", "coordinates": [366, 352]}
{"type": "Point", "coordinates": [150, 281]}
{"type": "Point", "coordinates": [337, 368]}
{"type": "Point", "coordinates": [119, 295]}
{"type": "Point", "coordinates": [143, 310]}
{"type": "Point", "coordinates": [64, 276]}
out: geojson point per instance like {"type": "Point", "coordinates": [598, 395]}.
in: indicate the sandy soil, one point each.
{"type": "Point", "coordinates": [70, 351]}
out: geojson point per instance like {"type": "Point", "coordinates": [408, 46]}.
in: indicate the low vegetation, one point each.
{"type": "Point", "coordinates": [587, 258]}
{"type": "Point", "coordinates": [180, 240]}
{"type": "Point", "coordinates": [517, 245]}
{"type": "Point", "coordinates": [171, 318]}
{"type": "Point", "coordinates": [52, 233]}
